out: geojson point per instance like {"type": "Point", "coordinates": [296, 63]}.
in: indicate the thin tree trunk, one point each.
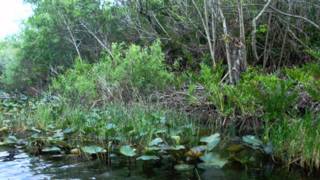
{"type": "Point", "coordinates": [205, 24]}
{"type": "Point", "coordinates": [285, 35]}
{"type": "Point", "coordinates": [99, 41]}
{"type": "Point", "coordinates": [226, 42]}
{"type": "Point", "coordinates": [254, 31]}
{"type": "Point", "coordinates": [266, 45]}
{"type": "Point", "coordinates": [73, 39]}
{"type": "Point", "coordinates": [213, 32]}
{"type": "Point", "coordinates": [243, 50]}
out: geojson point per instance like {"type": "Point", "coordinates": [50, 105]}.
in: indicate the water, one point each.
{"type": "Point", "coordinates": [15, 164]}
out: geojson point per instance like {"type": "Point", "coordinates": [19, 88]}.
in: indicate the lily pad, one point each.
{"type": "Point", "coordinates": [51, 150]}
{"type": "Point", "coordinates": [156, 142]}
{"type": "Point", "coordinates": [148, 158]}
{"type": "Point", "coordinates": [183, 167]}
{"type": "Point", "coordinates": [127, 151]}
{"type": "Point", "coordinates": [177, 148]}
{"type": "Point", "coordinates": [212, 141]}
{"type": "Point", "coordinates": [212, 160]}
{"type": "Point", "coordinates": [93, 150]}
{"type": "Point", "coordinates": [252, 141]}
{"type": "Point", "coordinates": [10, 140]}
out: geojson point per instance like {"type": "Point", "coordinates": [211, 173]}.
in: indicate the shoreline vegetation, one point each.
{"type": "Point", "coordinates": [91, 110]}
{"type": "Point", "coordinates": [174, 82]}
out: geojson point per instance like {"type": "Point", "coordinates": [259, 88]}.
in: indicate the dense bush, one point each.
{"type": "Point", "coordinates": [129, 72]}
{"type": "Point", "coordinates": [256, 94]}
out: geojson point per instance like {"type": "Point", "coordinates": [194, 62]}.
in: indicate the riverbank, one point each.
{"type": "Point", "coordinates": [136, 108]}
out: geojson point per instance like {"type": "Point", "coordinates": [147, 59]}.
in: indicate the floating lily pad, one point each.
{"type": "Point", "coordinates": [156, 142]}
{"type": "Point", "coordinates": [93, 150]}
{"type": "Point", "coordinates": [51, 150]}
{"type": "Point", "coordinates": [212, 160]}
{"type": "Point", "coordinates": [10, 140]}
{"type": "Point", "coordinates": [252, 141]}
{"type": "Point", "coordinates": [212, 141]}
{"type": "Point", "coordinates": [177, 148]}
{"type": "Point", "coordinates": [127, 151]}
{"type": "Point", "coordinates": [183, 167]}
{"type": "Point", "coordinates": [148, 158]}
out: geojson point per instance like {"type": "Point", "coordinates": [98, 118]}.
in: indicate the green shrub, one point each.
{"type": "Point", "coordinates": [77, 83]}
{"type": "Point", "coordinates": [275, 95]}
{"type": "Point", "coordinates": [137, 68]}
{"type": "Point", "coordinates": [131, 70]}
{"type": "Point", "coordinates": [308, 76]}
{"type": "Point", "coordinates": [210, 79]}
{"type": "Point", "coordinates": [255, 94]}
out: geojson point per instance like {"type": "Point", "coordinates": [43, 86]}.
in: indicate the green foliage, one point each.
{"type": "Point", "coordinates": [314, 53]}
{"type": "Point", "coordinates": [137, 68]}
{"type": "Point", "coordinates": [211, 78]}
{"type": "Point", "coordinates": [277, 96]}
{"type": "Point", "coordinates": [296, 139]}
{"type": "Point", "coordinates": [130, 70]}
{"type": "Point", "coordinates": [115, 122]}
{"type": "Point", "coordinates": [77, 83]}
{"type": "Point", "coordinates": [309, 77]}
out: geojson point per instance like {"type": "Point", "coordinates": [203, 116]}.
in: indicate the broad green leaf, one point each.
{"type": "Point", "coordinates": [212, 160]}
{"type": "Point", "coordinates": [212, 141]}
{"type": "Point", "coordinates": [93, 149]}
{"type": "Point", "coordinates": [148, 158]}
{"type": "Point", "coordinates": [252, 140]}
{"type": "Point", "coordinates": [127, 151]}
{"type": "Point", "coordinates": [177, 148]}
{"type": "Point", "coordinates": [156, 142]}
{"type": "Point", "coordinates": [10, 140]}
{"type": "Point", "coordinates": [51, 150]}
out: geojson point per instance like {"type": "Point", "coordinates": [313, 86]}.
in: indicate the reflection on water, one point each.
{"type": "Point", "coordinates": [15, 165]}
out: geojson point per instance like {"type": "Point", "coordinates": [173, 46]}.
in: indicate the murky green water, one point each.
{"type": "Point", "coordinates": [15, 164]}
